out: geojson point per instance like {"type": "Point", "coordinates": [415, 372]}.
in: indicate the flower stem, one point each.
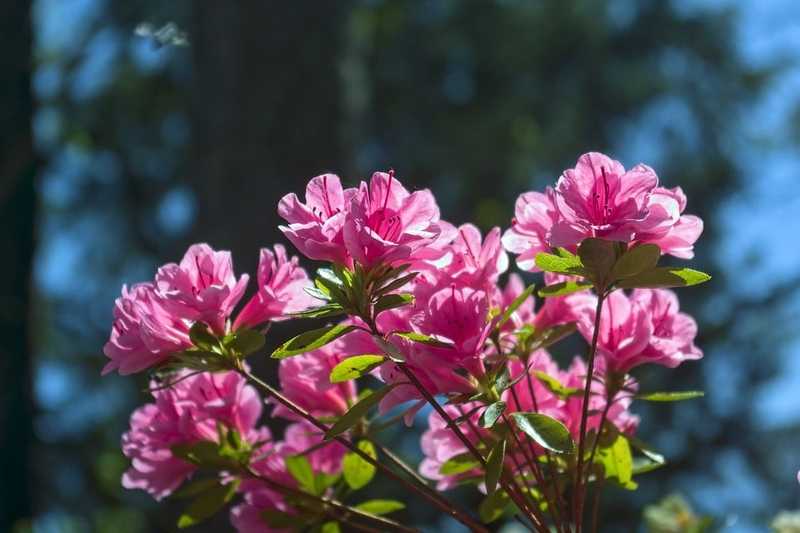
{"type": "Point", "coordinates": [577, 492]}
{"type": "Point", "coordinates": [423, 490]}
{"type": "Point", "coordinates": [347, 511]}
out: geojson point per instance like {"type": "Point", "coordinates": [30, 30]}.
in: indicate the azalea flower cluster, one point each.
{"type": "Point", "coordinates": [419, 307]}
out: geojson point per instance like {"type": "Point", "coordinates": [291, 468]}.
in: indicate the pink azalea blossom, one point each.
{"type": "Point", "coordinates": [387, 224]}
{"type": "Point", "coordinates": [259, 497]}
{"type": "Point", "coordinates": [439, 444]}
{"type": "Point", "coordinates": [618, 414]}
{"type": "Point", "coordinates": [643, 328]}
{"type": "Point", "coordinates": [520, 397]}
{"type": "Point", "coordinates": [677, 233]}
{"type": "Point", "coordinates": [202, 287]}
{"type": "Point", "coordinates": [305, 379]}
{"type": "Point", "coordinates": [186, 413]}
{"type": "Point", "coordinates": [598, 198]}
{"type": "Point", "coordinates": [144, 334]}
{"type": "Point", "coordinates": [624, 334]}
{"type": "Point", "coordinates": [281, 283]}
{"type": "Point", "coordinates": [672, 340]}
{"type": "Point", "coordinates": [475, 261]}
{"type": "Point", "coordinates": [316, 227]}
{"type": "Point", "coordinates": [558, 310]}
{"type": "Point", "coordinates": [534, 216]}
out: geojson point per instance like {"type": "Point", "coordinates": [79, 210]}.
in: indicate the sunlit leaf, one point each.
{"type": "Point", "coordinates": [311, 340]}
{"type": "Point", "coordinates": [546, 431]}
{"type": "Point", "coordinates": [355, 367]}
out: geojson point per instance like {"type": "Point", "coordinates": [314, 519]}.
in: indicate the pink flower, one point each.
{"type": "Point", "coordinates": [534, 216]}
{"type": "Point", "coordinates": [477, 262]}
{"type": "Point", "coordinates": [618, 413]}
{"type": "Point", "coordinates": [186, 413]}
{"type": "Point", "coordinates": [144, 334]}
{"type": "Point", "coordinates": [202, 287]}
{"type": "Point", "coordinates": [643, 328]}
{"type": "Point", "coordinates": [519, 398]}
{"type": "Point", "coordinates": [305, 379]}
{"type": "Point", "coordinates": [258, 496]}
{"type": "Point", "coordinates": [387, 224]}
{"type": "Point", "coordinates": [672, 340]}
{"type": "Point", "coordinates": [598, 198]}
{"type": "Point", "coordinates": [316, 227]}
{"type": "Point", "coordinates": [557, 310]}
{"type": "Point", "coordinates": [625, 330]}
{"type": "Point", "coordinates": [281, 283]}
{"type": "Point", "coordinates": [439, 444]}
{"type": "Point", "coordinates": [677, 233]}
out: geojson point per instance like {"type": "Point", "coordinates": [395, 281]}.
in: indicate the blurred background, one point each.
{"type": "Point", "coordinates": [131, 129]}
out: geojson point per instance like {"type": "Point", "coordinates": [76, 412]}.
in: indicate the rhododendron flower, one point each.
{"type": "Point", "coordinates": [534, 216]}
{"type": "Point", "coordinates": [624, 332]}
{"type": "Point", "coordinates": [439, 444]}
{"type": "Point", "coordinates": [280, 291]}
{"type": "Point", "coordinates": [144, 334]}
{"type": "Point", "coordinates": [672, 340]}
{"type": "Point", "coordinates": [259, 497]}
{"type": "Point", "coordinates": [477, 262]}
{"type": "Point", "coordinates": [202, 287]}
{"type": "Point", "coordinates": [676, 234]}
{"type": "Point", "coordinates": [518, 398]}
{"type": "Point", "coordinates": [387, 224]}
{"type": "Point", "coordinates": [598, 198]}
{"type": "Point", "coordinates": [643, 328]}
{"type": "Point", "coordinates": [557, 310]}
{"type": "Point", "coordinates": [305, 379]}
{"type": "Point", "coordinates": [315, 227]}
{"type": "Point", "coordinates": [186, 413]}
{"type": "Point", "coordinates": [618, 413]}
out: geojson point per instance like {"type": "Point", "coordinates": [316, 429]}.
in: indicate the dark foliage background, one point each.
{"type": "Point", "coordinates": [117, 151]}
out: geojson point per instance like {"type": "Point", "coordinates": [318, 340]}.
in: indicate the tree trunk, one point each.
{"type": "Point", "coordinates": [17, 214]}
{"type": "Point", "coordinates": [266, 108]}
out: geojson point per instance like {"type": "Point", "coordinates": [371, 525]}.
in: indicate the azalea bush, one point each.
{"type": "Point", "coordinates": [408, 311]}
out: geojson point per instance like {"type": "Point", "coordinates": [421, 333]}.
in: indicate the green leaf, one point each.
{"type": "Point", "coordinates": [354, 415]}
{"type": "Point", "coordinates": [392, 301]}
{"type": "Point", "coordinates": [311, 340]}
{"type": "Point", "coordinates": [518, 301]}
{"type": "Point", "coordinates": [207, 504]}
{"type": "Point", "coordinates": [555, 386]}
{"type": "Point", "coordinates": [494, 506]}
{"type": "Point", "coordinates": [300, 469]}
{"type": "Point", "coordinates": [547, 337]}
{"type": "Point", "coordinates": [329, 275]}
{"type": "Point", "coordinates": [281, 520]}
{"type": "Point", "coordinates": [196, 487]}
{"type": "Point", "coordinates": [202, 337]}
{"type": "Point", "coordinates": [396, 284]}
{"type": "Point", "coordinates": [423, 339]}
{"type": "Point", "coordinates": [598, 257]}
{"type": "Point", "coordinates": [380, 507]}
{"type": "Point", "coordinates": [463, 462]}
{"type": "Point", "coordinates": [491, 414]}
{"type": "Point", "coordinates": [665, 277]}
{"type": "Point", "coordinates": [563, 288]}
{"type": "Point", "coordinates": [318, 293]}
{"type": "Point", "coordinates": [202, 453]}
{"type": "Point", "coordinates": [569, 264]}
{"type": "Point", "coordinates": [245, 341]}
{"type": "Point", "coordinates": [494, 465]}
{"type": "Point", "coordinates": [356, 471]}
{"type": "Point", "coordinates": [617, 462]}
{"type": "Point", "coordinates": [670, 396]}
{"type": "Point", "coordinates": [546, 431]}
{"type": "Point", "coordinates": [640, 258]}
{"type": "Point", "coordinates": [330, 527]}
{"type": "Point", "coordinates": [324, 311]}
{"type": "Point", "coordinates": [355, 367]}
